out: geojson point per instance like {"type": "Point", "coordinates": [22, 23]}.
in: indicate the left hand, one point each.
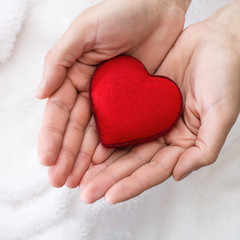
{"type": "Point", "coordinates": [206, 64]}
{"type": "Point", "coordinates": [68, 138]}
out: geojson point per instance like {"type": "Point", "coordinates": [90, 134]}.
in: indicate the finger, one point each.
{"type": "Point", "coordinates": [149, 175]}
{"type": "Point", "coordinates": [101, 154]}
{"type": "Point", "coordinates": [96, 169]}
{"type": "Point", "coordinates": [83, 161]}
{"type": "Point", "coordinates": [123, 167]}
{"type": "Point", "coordinates": [80, 74]}
{"type": "Point", "coordinates": [212, 134]}
{"type": "Point", "coordinates": [63, 54]}
{"type": "Point", "coordinates": [56, 114]}
{"type": "Point", "coordinates": [77, 123]}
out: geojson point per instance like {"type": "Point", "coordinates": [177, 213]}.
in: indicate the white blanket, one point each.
{"type": "Point", "coordinates": [204, 206]}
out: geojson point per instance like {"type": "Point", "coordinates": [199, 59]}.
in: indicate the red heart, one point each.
{"type": "Point", "coordinates": [129, 105]}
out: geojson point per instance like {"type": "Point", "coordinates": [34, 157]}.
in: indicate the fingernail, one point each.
{"type": "Point", "coordinates": [109, 200]}
{"type": "Point", "coordinates": [86, 199]}
{"type": "Point", "coordinates": [39, 89]}
{"type": "Point", "coordinates": [184, 176]}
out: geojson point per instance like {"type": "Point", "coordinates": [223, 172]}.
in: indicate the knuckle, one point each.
{"type": "Point", "coordinates": [136, 156]}
{"type": "Point", "coordinates": [209, 160]}
{"type": "Point", "coordinates": [60, 104]}
{"type": "Point", "coordinates": [92, 128]}
{"type": "Point", "coordinates": [53, 131]}
{"type": "Point", "coordinates": [69, 152]}
{"type": "Point", "coordinates": [77, 125]}
{"type": "Point", "coordinates": [139, 182]}
{"type": "Point", "coordinates": [85, 96]}
{"type": "Point", "coordinates": [164, 168]}
{"type": "Point", "coordinates": [84, 156]}
{"type": "Point", "coordinates": [109, 174]}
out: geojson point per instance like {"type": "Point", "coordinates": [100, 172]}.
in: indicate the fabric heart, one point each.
{"type": "Point", "coordinates": [129, 105]}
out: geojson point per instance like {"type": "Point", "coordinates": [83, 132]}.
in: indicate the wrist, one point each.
{"type": "Point", "coordinates": [174, 11]}
{"type": "Point", "coordinates": [184, 4]}
{"type": "Point", "coordinates": [227, 20]}
{"type": "Point", "coordinates": [178, 5]}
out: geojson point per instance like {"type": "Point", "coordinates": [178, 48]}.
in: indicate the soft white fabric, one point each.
{"type": "Point", "coordinates": [12, 14]}
{"type": "Point", "coordinates": [204, 206]}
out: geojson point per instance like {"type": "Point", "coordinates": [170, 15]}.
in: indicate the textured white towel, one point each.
{"type": "Point", "coordinates": [204, 206]}
{"type": "Point", "coordinates": [12, 14]}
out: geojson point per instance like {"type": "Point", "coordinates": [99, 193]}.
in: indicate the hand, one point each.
{"type": "Point", "coordinates": [68, 136]}
{"type": "Point", "coordinates": [205, 64]}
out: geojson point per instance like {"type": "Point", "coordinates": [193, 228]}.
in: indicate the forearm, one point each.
{"type": "Point", "coordinates": [227, 20]}
{"type": "Point", "coordinates": [180, 6]}
{"type": "Point", "coordinates": [184, 4]}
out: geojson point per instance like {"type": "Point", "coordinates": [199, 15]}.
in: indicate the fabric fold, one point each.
{"type": "Point", "coordinates": [12, 15]}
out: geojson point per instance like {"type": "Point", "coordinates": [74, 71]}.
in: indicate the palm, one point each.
{"type": "Point", "coordinates": [68, 136]}
{"type": "Point", "coordinates": [209, 80]}
{"type": "Point", "coordinates": [139, 32]}
{"type": "Point", "coordinates": [210, 88]}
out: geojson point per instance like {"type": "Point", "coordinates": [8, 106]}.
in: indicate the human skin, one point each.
{"type": "Point", "coordinates": [206, 60]}
{"type": "Point", "coordinates": [68, 137]}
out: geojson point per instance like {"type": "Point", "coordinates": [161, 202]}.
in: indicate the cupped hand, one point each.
{"type": "Point", "coordinates": [68, 137]}
{"type": "Point", "coordinates": [204, 62]}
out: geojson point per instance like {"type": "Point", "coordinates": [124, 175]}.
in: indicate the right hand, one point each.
{"type": "Point", "coordinates": [204, 63]}
{"type": "Point", "coordinates": [145, 29]}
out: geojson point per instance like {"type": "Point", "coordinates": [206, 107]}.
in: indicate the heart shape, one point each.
{"type": "Point", "coordinates": [129, 105]}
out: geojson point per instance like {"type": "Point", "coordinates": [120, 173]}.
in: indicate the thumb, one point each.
{"type": "Point", "coordinates": [212, 134]}
{"type": "Point", "coordinates": [62, 56]}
